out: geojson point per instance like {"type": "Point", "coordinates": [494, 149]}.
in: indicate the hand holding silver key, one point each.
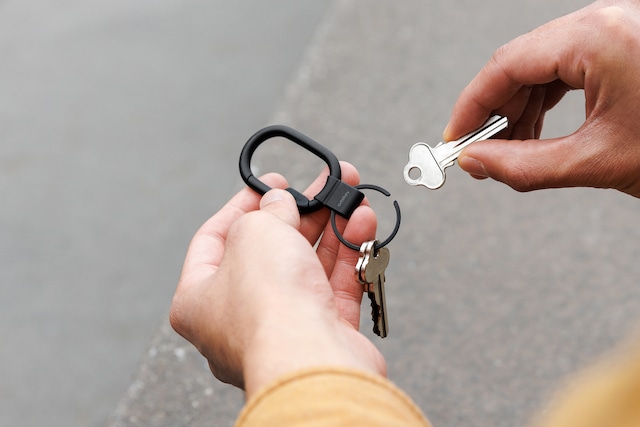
{"type": "Point", "coordinates": [430, 162]}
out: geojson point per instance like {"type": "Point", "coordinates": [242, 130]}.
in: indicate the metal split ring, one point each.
{"type": "Point", "coordinates": [379, 245]}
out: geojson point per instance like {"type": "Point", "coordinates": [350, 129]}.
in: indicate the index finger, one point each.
{"type": "Point", "coordinates": [546, 54]}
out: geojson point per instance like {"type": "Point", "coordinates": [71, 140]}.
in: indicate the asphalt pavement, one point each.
{"type": "Point", "coordinates": [121, 131]}
{"type": "Point", "coordinates": [117, 123]}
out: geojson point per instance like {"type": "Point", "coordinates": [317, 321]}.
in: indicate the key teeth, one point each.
{"type": "Point", "coordinates": [376, 330]}
{"type": "Point", "coordinates": [375, 313]}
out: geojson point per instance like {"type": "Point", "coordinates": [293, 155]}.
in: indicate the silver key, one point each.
{"type": "Point", "coordinates": [370, 270]}
{"type": "Point", "coordinates": [430, 162]}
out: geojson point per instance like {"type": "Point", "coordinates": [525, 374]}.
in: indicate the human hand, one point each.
{"type": "Point", "coordinates": [258, 301]}
{"type": "Point", "coordinates": [596, 49]}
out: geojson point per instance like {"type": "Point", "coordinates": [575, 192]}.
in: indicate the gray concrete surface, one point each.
{"type": "Point", "coordinates": [494, 296]}
{"type": "Point", "coordinates": [117, 123]}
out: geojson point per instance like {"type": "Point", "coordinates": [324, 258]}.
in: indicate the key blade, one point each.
{"type": "Point", "coordinates": [492, 126]}
{"type": "Point", "coordinates": [375, 274]}
{"type": "Point", "coordinates": [375, 312]}
{"type": "Point", "coordinates": [370, 270]}
{"type": "Point", "coordinates": [381, 327]}
{"type": "Point", "coordinates": [447, 153]}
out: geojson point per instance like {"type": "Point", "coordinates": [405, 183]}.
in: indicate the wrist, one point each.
{"type": "Point", "coordinates": [281, 347]}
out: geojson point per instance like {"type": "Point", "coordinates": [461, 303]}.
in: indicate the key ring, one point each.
{"type": "Point", "coordinates": [377, 246]}
{"type": "Point", "coordinates": [336, 195]}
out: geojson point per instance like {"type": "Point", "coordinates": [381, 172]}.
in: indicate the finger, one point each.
{"type": "Point", "coordinates": [207, 246]}
{"type": "Point", "coordinates": [312, 225]}
{"type": "Point", "coordinates": [536, 164]}
{"type": "Point", "coordinates": [555, 91]}
{"type": "Point", "coordinates": [347, 289]}
{"type": "Point", "coordinates": [515, 107]}
{"type": "Point", "coordinates": [329, 243]}
{"type": "Point", "coordinates": [526, 125]}
{"type": "Point", "coordinates": [539, 57]}
{"type": "Point", "coordinates": [281, 203]}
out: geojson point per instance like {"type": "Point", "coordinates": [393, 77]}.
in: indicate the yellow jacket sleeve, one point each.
{"type": "Point", "coordinates": [328, 397]}
{"type": "Point", "coordinates": [607, 395]}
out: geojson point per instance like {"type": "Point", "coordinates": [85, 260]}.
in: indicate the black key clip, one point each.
{"type": "Point", "coordinates": [338, 196]}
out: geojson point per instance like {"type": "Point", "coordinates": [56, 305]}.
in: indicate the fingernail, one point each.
{"type": "Point", "coordinates": [473, 166]}
{"type": "Point", "coordinates": [445, 133]}
{"type": "Point", "coordinates": [272, 196]}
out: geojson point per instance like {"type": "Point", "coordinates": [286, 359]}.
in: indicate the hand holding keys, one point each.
{"type": "Point", "coordinates": [341, 199]}
{"type": "Point", "coordinates": [427, 164]}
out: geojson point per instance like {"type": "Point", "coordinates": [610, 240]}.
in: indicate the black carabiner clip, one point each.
{"type": "Point", "coordinates": [336, 195]}
{"type": "Point", "coordinates": [339, 197]}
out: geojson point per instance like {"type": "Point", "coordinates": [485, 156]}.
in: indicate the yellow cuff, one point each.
{"type": "Point", "coordinates": [331, 396]}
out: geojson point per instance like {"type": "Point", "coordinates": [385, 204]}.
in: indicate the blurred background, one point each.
{"type": "Point", "coordinates": [120, 124]}
{"type": "Point", "coordinates": [120, 128]}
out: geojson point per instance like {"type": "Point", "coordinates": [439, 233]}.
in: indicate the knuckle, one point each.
{"type": "Point", "coordinates": [618, 33]}
{"type": "Point", "coordinates": [177, 317]}
{"type": "Point", "coordinates": [499, 54]}
{"type": "Point", "coordinates": [502, 60]}
{"type": "Point", "coordinates": [496, 58]}
{"type": "Point", "coordinates": [611, 16]}
{"type": "Point", "coordinates": [616, 24]}
{"type": "Point", "coordinates": [518, 178]}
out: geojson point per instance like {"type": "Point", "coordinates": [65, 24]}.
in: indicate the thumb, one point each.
{"type": "Point", "coordinates": [530, 164]}
{"type": "Point", "coordinates": [281, 204]}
